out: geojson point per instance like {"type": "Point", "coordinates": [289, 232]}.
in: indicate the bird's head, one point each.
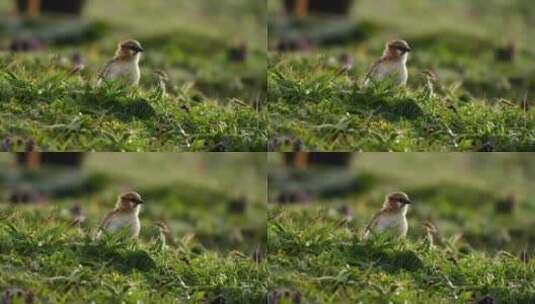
{"type": "Point", "coordinates": [429, 75]}
{"type": "Point", "coordinates": [397, 201]}
{"type": "Point", "coordinates": [162, 75]}
{"type": "Point", "coordinates": [129, 201]}
{"type": "Point", "coordinates": [429, 227]}
{"type": "Point", "coordinates": [129, 49]}
{"type": "Point", "coordinates": [397, 49]}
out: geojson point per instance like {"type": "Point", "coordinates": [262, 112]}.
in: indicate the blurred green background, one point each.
{"type": "Point", "coordinates": [486, 200]}
{"type": "Point", "coordinates": [475, 16]}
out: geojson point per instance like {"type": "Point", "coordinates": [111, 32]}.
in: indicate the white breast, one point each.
{"type": "Point", "coordinates": [121, 221]}
{"type": "Point", "coordinates": [126, 71]}
{"type": "Point", "coordinates": [396, 71]}
{"type": "Point", "coordinates": [394, 224]}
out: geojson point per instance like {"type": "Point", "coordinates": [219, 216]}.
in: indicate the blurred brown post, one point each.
{"type": "Point", "coordinates": [34, 160]}
{"type": "Point", "coordinates": [37, 7]}
{"type": "Point", "coordinates": [29, 160]}
{"type": "Point", "coordinates": [301, 8]}
{"type": "Point", "coordinates": [33, 8]}
{"type": "Point", "coordinates": [301, 160]}
{"type": "Point", "coordinates": [330, 7]}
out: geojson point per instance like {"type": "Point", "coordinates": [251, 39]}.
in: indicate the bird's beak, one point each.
{"type": "Point", "coordinates": [140, 202]}
{"type": "Point", "coordinates": [407, 49]}
{"type": "Point", "coordinates": [408, 202]}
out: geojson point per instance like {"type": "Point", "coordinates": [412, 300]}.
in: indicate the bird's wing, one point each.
{"type": "Point", "coordinates": [373, 222]}
{"type": "Point", "coordinates": [106, 69]}
{"type": "Point", "coordinates": [373, 69]}
{"type": "Point", "coordinates": [76, 69]}
{"type": "Point", "coordinates": [106, 221]}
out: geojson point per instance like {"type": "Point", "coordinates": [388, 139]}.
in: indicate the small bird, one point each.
{"type": "Point", "coordinates": [78, 64]}
{"type": "Point", "coordinates": [506, 205]}
{"type": "Point", "coordinates": [430, 80]}
{"type": "Point", "coordinates": [239, 53]}
{"type": "Point", "coordinates": [393, 64]}
{"type": "Point", "coordinates": [347, 65]}
{"type": "Point", "coordinates": [432, 235]}
{"type": "Point", "coordinates": [161, 242]}
{"type": "Point", "coordinates": [125, 214]}
{"type": "Point", "coordinates": [505, 53]}
{"type": "Point", "coordinates": [78, 215]}
{"type": "Point", "coordinates": [165, 86]}
{"type": "Point", "coordinates": [392, 218]}
{"type": "Point", "coordinates": [124, 66]}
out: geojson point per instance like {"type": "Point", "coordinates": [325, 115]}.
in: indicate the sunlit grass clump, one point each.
{"type": "Point", "coordinates": [44, 258]}
{"type": "Point", "coordinates": [313, 258]}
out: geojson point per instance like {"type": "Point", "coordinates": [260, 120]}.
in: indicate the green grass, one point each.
{"type": "Point", "coordinates": [486, 252]}
{"type": "Point", "coordinates": [208, 255]}
{"type": "Point", "coordinates": [479, 104]}
{"type": "Point", "coordinates": [212, 103]}
{"type": "Point", "coordinates": [62, 114]}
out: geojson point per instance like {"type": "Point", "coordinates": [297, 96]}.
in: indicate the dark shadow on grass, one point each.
{"type": "Point", "coordinates": [385, 256]}
{"type": "Point", "coordinates": [508, 145]}
{"type": "Point", "coordinates": [252, 87]}
{"type": "Point", "coordinates": [118, 105]}
{"type": "Point", "coordinates": [117, 258]}
{"type": "Point", "coordinates": [384, 105]}
{"type": "Point", "coordinates": [488, 89]}
{"type": "Point", "coordinates": [503, 295]}
{"type": "Point", "coordinates": [126, 110]}
{"type": "Point", "coordinates": [394, 261]}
